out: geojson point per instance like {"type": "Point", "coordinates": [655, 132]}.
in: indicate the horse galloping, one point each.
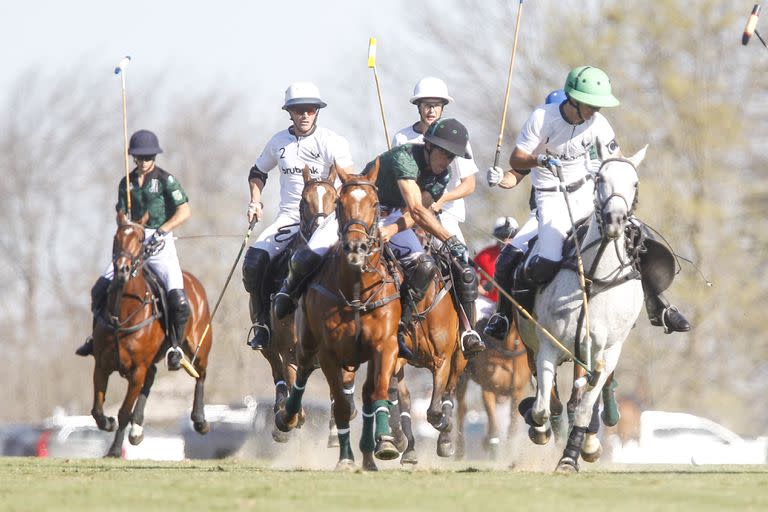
{"type": "Point", "coordinates": [615, 299]}
{"type": "Point", "coordinates": [355, 309]}
{"type": "Point", "coordinates": [130, 338]}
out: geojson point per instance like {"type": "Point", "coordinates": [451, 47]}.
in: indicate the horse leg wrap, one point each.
{"type": "Point", "coordinates": [594, 422]}
{"type": "Point", "coordinates": [381, 411]}
{"type": "Point", "coordinates": [367, 443]}
{"type": "Point", "coordinates": [345, 447]}
{"type": "Point", "coordinates": [575, 440]}
{"type": "Point", "coordinates": [293, 404]}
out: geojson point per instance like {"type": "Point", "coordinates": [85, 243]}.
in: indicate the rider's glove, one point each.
{"type": "Point", "coordinates": [494, 176]}
{"type": "Point", "coordinates": [156, 242]}
{"type": "Point", "coordinates": [548, 161]}
{"type": "Point", "coordinates": [457, 249]}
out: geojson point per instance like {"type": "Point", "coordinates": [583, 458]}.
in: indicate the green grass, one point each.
{"type": "Point", "coordinates": [110, 485]}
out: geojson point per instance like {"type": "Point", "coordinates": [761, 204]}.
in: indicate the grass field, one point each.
{"type": "Point", "coordinates": [28, 484]}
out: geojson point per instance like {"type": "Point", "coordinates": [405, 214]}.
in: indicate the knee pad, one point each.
{"type": "Point", "coordinates": [178, 305]}
{"type": "Point", "coordinates": [541, 270]}
{"type": "Point", "coordinates": [466, 284]}
{"type": "Point", "coordinates": [420, 273]}
{"type": "Point", "coordinates": [254, 267]}
{"type": "Point", "coordinates": [305, 261]}
{"type": "Point", "coordinates": [508, 259]}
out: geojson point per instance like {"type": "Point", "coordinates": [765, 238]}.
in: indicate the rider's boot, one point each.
{"type": "Point", "coordinates": [466, 290]}
{"type": "Point", "coordinates": [254, 271]}
{"type": "Point", "coordinates": [419, 273]}
{"type": "Point", "coordinates": [304, 263]}
{"type": "Point", "coordinates": [661, 313]}
{"type": "Point", "coordinates": [508, 259]}
{"type": "Point", "coordinates": [98, 296]}
{"type": "Point", "coordinates": [178, 309]}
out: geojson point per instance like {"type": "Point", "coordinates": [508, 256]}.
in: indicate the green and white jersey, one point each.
{"type": "Point", "coordinates": [159, 195]}
{"type": "Point", "coordinates": [406, 162]}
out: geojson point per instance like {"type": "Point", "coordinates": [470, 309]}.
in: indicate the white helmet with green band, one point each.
{"type": "Point", "coordinates": [590, 86]}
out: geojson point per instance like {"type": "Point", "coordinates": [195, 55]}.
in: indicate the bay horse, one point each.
{"type": "Point", "coordinates": [615, 299]}
{"type": "Point", "coordinates": [355, 309]}
{"type": "Point", "coordinates": [502, 371]}
{"type": "Point", "coordinates": [318, 200]}
{"type": "Point", "coordinates": [129, 338]}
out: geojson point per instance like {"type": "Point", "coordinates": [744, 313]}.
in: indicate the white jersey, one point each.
{"type": "Point", "coordinates": [460, 168]}
{"type": "Point", "coordinates": [576, 146]}
{"type": "Point", "coordinates": [290, 154]}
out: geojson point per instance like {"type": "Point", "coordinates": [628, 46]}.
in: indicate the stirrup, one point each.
{"type": "Point", "coordinates": [478, 347]}
{"type": "Point", "coordinates": [252, 341]}
{"type": "Point", "coordinates": [492, 331]}
{"type": "Point", "coordinates": [170, 367]}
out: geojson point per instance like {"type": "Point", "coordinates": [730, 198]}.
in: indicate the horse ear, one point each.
{"type": "Point", "coordinates": [122, 218]}
{"type": "Point", "coordinates": [638, 157]}
{"type": "Point", "coordinates": [343, 176]}
{"type": "Point", "coordinates": [374, 172]}
{"type": "Point", "coordinates": [305, 172]}
{"type": "Point", "coordinates": [332, 174]}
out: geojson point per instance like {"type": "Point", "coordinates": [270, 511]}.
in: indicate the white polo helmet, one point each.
{"type": "Point", "coordinates": [303, 93]}
{"type": "Point", "coordinates": [430, 87]}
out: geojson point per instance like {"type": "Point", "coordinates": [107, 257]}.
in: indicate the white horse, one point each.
{"type": "Point", "coordinates": [615, 300]}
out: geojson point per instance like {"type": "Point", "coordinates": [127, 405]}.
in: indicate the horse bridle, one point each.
{"type": "Point", "coordinates": [137, 262]}
{"type": "Point", "coordinates": [600, 204]}
{"type": "Point", "coordinates": [369, 230]}
{"type": "Point", "coordinates": [313, 221]}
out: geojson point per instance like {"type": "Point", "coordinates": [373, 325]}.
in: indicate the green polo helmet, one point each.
{"type": "Point", "coordinates": [591, 86]}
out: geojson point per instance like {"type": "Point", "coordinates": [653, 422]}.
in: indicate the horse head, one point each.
{"type": "Point", "coordinates": [357, 212]}
{"type": "Point", "coordinates": [616, 187]}
{"type": "Point", "coordinates": [318, 199]}
{"type": "Point", "coordinates": [127, 248]}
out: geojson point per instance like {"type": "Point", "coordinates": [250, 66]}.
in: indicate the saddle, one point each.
{"type": "Point", "coordinates": [658, 263]}
{"type": "Point", "coordinates": [159, 298]}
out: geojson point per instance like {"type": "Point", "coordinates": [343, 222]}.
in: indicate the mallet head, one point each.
{"type": "Point", "coordinates": [122, 64]}
{"type": "Point", "coordinates": [751, 25]}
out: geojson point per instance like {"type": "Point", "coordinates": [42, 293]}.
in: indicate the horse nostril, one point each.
{"type": "Point", "coordinates": [363, 247]}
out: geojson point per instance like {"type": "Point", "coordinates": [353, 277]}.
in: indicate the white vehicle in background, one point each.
{"type": "Point", "coordinates": [680, 438]}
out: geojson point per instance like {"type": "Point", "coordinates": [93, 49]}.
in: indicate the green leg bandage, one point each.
{"type": "Point", "coordinates": [293, 404]}
{"type": "Point", "coordinates": [366, 440]}
{"type": "Point", "coordinates": [345, 447]}
{"type": "Point", "coordinates": [381, 410]}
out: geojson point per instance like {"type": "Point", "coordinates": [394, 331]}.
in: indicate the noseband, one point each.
{"type": "Point", "coordinates": [369, 230]}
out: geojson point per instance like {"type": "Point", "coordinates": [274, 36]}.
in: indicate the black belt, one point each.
{"type": "Point", "coordinates": [571, 187]}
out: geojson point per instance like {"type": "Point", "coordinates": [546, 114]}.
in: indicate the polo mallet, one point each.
{"type": "Point", "coordinates": [120, 70]}
{"type": "Point", "coordinates": [751, 27]}
{"type": "Point", "coordinates": [580, 265]}
{"type": "Point", "coordinates": [530, 318]}
{"type": "Point", "coordinates": [372, 65]}
{"type": "Point", "coordinates": [509, 85]}
{"type": "Point", "coordinates": [221, 296]}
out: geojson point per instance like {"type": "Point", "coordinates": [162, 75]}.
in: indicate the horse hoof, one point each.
{"type": "Point", "coordinates": [202, 427]}
{"type": "Point", "coordinates": [385, 450]}
{"type": "Point", "coordinates": [610, 417]}
{"type": "Point", "coordinates": [539, 435]}
{"type": "Point", "coordinates": [345, 465]}
{"type": "Point", "coordinates": [137, 434]}
{"type": "Point", "coordinates": [333, 440]}
{"type": "Point", "coordinates": [492, 447]}
{"type": "Point", "coordinates": [525, 405]}
{"type": "Point", "coordinates": [445, 449]}
{"type": "Point", "coordinates": [284, 424]}
{"type": "Point", "coordinates": [368, 463]}
{"type": "Point", "coordinates": [110, 425]}
{"type": "Point", "coordinates": [279, 436]}
{"type": "Point", "coordinates": [567, 465]}
{"type": "Point", "coordinates": [409, 457]}
{"type": "Point", "coordinates": [113, 454]}
{"type": "Point", "coordinates": [401, 442]}
{"type": "Point", "coordinates": [592, 457]}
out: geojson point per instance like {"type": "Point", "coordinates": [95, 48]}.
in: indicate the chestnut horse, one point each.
{"type": "Point", "coordinates": [502, 370]}
{"type": "Point", "coordinates": [355, 308]}
{"type": "Point", "coordinates": [130, 338]}
{"type": "Point", "coordinates": [318, 200]}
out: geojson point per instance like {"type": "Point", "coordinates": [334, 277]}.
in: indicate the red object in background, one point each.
{"type": "Point", "coordinates": [42, 443]}
{"type": "Point", "coordinates": [486, 260]}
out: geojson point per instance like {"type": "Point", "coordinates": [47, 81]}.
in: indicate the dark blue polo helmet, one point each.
{"type": "Point", "coordinates": [144, 143]}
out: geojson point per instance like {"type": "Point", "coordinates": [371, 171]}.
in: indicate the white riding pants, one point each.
{"type": "Point", "coordinates": [554, 221]}
{"type": "Point", "coordinates": [287, 224]}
